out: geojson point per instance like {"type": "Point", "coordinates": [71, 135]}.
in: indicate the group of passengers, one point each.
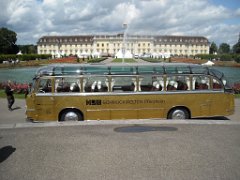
{"type": "Point", "coordinates": [157, 84]}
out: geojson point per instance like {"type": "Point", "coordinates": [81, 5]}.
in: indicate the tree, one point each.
{"type": "Point", "coordinates": [236, 48]}
{"type": "Point", "coordinates": [213, 48]}
{"type": "Point", "coordinates": [28, 49]}
{"type": "Point", "coordinates": [224, 48]}
{"type": "Point", "coordinates": [8, 39]}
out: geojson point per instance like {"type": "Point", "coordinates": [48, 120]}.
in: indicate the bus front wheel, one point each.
{"type": "Point", "coordinates": [71, 115]}
{"type": "Point", "coordinates": [178, 113]}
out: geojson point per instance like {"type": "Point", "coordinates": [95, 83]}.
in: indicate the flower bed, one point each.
{"type": "Point", "coordinates": [187, 60]}
{"type": "Point", "coordinates": [64, 60]}
{"type": "Point", "coordinates": [19, 88]}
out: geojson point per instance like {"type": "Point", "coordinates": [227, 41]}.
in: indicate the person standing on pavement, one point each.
{"type": "Point", "coordinates": [9, 94]}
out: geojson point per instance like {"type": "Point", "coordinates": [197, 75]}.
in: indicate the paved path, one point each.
{"type": "Point", "coordinates": [121, 152]}
{"type": "Point", "coordinates": [15, 116]}
{"type": "Point", "coordinates": [109, 60]}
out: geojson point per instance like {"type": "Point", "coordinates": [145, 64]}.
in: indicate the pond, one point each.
{"type": "Point", "coordinates": [25, 75]}
{"type": "Point", "coordinates": [20, 75]}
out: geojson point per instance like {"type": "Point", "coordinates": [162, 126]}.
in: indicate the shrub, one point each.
{"type": "Point", "coordinates": [19, 88]}
{"type": "Point", "coordinates": [23, 57]}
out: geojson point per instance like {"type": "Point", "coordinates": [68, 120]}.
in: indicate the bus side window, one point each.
{"type": "Point", "coordinates": [151, 83]}
{"type": "Point", "coordinates": [158, 83]}
{"type": "Point", "coordinates": [171, 83]}
{"type": "Point", "coordinates": [217, 84]}
{"type": "Point", "coordinates": [67, 84]}
{"type": "Point", "coordinates": [45, 86]}
{"type": "Point", "coordinates": [201, 82]}
{"type": "Point", "coordinates": [74, 87]}
{"type": "Point", "coordinates": [122, 84]}
{"type": "Point", "coordinates": [183, 83]}
{"type": "Point", "coordinates": [145, 83]}
{"type": "Point", "coordinates": [96, 84]}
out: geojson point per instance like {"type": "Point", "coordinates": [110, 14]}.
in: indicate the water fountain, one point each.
{"type": "Point", "coordinates": [131, 14]}
{"type": "Point", "coordinates": [124, 52]}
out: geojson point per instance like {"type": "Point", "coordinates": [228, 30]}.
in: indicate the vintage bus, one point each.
{"type": "Point", "coordinates": [76, 92]}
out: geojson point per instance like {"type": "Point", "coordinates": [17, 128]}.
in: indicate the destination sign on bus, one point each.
{"type": "Point", "coordinates": [128, 101]}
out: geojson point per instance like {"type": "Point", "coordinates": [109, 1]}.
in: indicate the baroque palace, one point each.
{"type": "Point", "coordinates": [110, 45]}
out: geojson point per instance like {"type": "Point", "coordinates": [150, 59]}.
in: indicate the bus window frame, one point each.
{"type": "Point", "coordinates": [94, 88]}
{"type": "Point", "coordinates": [37, 89]}
{"type": "Point", "coordinates": [120, 90]}
{"type": "Point", "coordinates": [157, 82]}
{"type": "Point", "coordinates": [78, 82]}
{"type": "Point", "coordinates": [202, 86]}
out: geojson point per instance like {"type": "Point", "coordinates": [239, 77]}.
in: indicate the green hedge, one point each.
{"type": "Point", "coordinates": [155, 60]}
{"type": "Point", "coordinates": [96, 60]}
{"type": "Point", "coordinates": [221, 57]}
{"type": "Point", "coordinates": [23, 57]}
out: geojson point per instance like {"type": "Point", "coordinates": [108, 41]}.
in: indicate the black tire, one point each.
{"type": "Point", "coordinates": [178, 113]}
{"type": "Point", "coordinates": [71, 115]}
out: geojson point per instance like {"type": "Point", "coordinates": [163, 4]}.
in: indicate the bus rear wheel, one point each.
{"type": "Point", "coordinates": [71, 115]}
{"type": "Point", "coordinates": [178, 113]}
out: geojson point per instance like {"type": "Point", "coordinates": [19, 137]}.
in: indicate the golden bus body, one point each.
{"type": "Point", "coordinates": [109, 92]}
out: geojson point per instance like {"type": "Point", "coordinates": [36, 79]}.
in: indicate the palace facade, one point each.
{"type": "Point", "coordinates": [111, 44]}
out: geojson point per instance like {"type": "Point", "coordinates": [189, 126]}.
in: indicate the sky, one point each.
{"type": "Point", "coordinates": [217, 20]}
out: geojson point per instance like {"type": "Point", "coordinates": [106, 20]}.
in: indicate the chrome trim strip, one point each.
{"type": "Point", "coordinates": [44, 94]}
{"type": "Point", "coordinates": [130, 93]}
{"type": "Point", "coordinates": [97, 110]}
{"type": "Point", "coordinates": [93, 110]}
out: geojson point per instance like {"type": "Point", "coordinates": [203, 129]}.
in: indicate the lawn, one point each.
{"type": "Point", "coordinates": [127, 60]}
{"type": "Point", "coordinates": [17, 96]}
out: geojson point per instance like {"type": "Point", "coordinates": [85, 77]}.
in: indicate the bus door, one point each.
{"type": "Point", "coordinates": [44, 99]}
{"type": "Point", "coordinates": [202, 86]}
{"type": "Point", "coordinates": [152, 102]}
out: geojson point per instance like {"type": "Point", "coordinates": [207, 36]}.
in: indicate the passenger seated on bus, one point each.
{"type": "Point", "coordinates": [134, 85]}
{"type": "Point", "coordinates": [107, 84]}
{"type": "Point", "coordinates": [97, 86]}
{"type": "Point", "coordinates": [74, 87]}
{"type": "Point", "coordinates": [93, 87]}
{"type": "Point", "coordinates": [47, 86]}
{"type": "Point", "coordinates": [172, 85]}
{"type": "Point", "coordinates": [46, 89]}
{"type": "Point", "coordinates": [63, 86]}
{"type": "Point", "coordinates": [216, 84]}
{"type": "Point", "coordinates": [156, 86]}
{"type": "Point", "coordinates": [182, 85]}
{"type": "Point", "coordinates": [203, 84]}
{"type": "Point", "coordinates": [59, 85]}
{"type": "Point", "coordinates": [128, 87]}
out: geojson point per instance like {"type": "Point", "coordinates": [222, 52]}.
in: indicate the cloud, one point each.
{"type": "Point", "coordinates": [238, 12]}
{"type": "Point", "coordinates": [31, 19]}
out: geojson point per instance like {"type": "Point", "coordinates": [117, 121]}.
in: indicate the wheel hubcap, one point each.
{"type": "Point", "coordinates": [178, 114]}
{"type": "Point", "coordinates": [71, 116]}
